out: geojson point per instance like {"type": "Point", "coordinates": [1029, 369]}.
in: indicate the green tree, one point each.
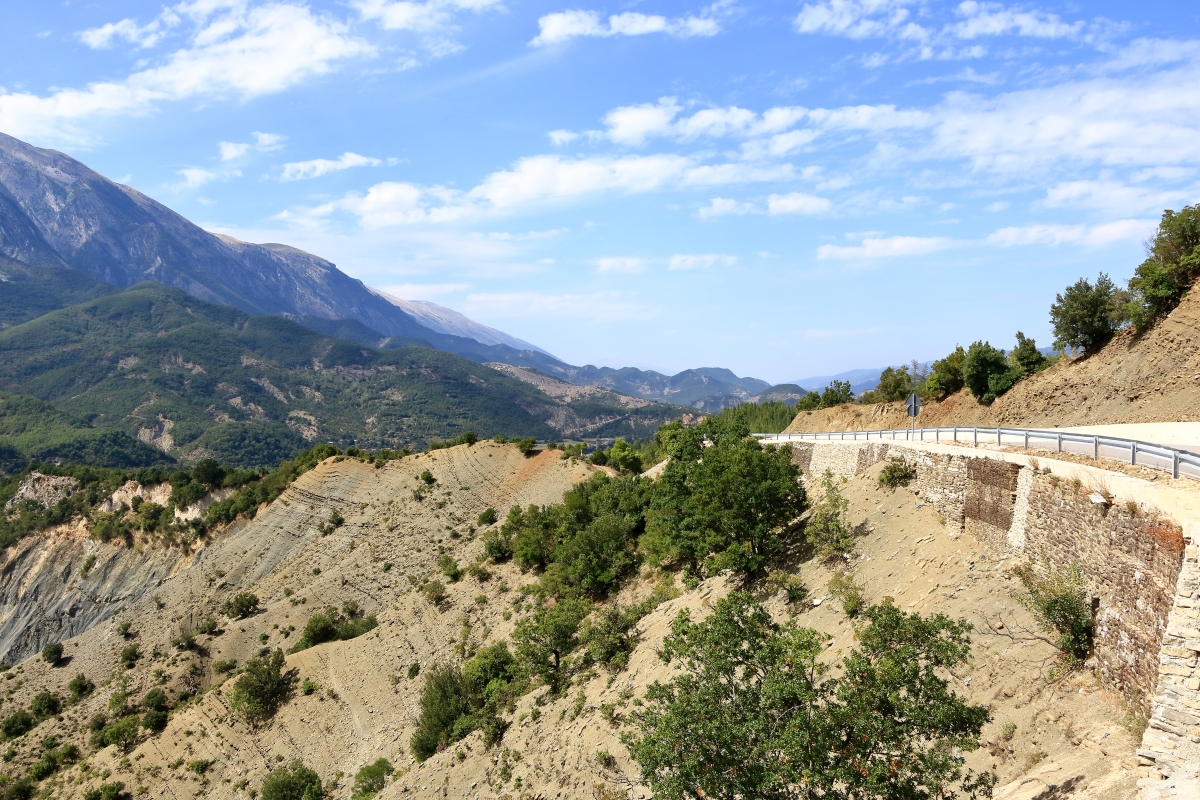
{"type": "Point", "coordinates": [1170, 268]}
{"type": "Point", "coordinates": [1026, 355]}
{"type": "Point", "coordinates": [623, 457]}
{"type": "Point", "coordinates": [445, 711]}
{"type": "Point", "coordinates": [947, 375]}
{"type": "Point", "coordinates": [52, 653]}
{"type": "Point", "coordinates": [982, 362]}
{"type": "Point", "coordinates": [292, 781]}
{"type": "Point", "coordinates": [544, 639]}
{"type": "Point", "coordinates": [261, 688]}
{"type": "Point", "coordinates": [240, 606]}
{"type": "Point", "coordinates": [755, 713]}
{"type": "Point", "coordinates": [836, 393]}
{"type": "Point", "coordinates": [596, 558]}
{"type": "Point", "coordinates": [1085, 316]}
{"type": "Point", "coordinates": [725, 510]}
{"type": "Point", "coordinates": [894, 384]}
{"type": "Point", "coordinates": [828, 530]}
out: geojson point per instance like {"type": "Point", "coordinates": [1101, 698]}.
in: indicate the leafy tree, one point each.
{"type": "Point", "coordinates": [596, 558]}
{"type": "Point", "coordinates": [370, 780]}
{"type": "Point", "coordinates": [445, 711]}
{"type": "Point", "coordinates": [836, 393]}
{"type": "Point", "coordinates": [52, 653]}
{"type": "Point", "coordinates": [292, 781]}
{"type": "Point", "coordinates": [947, 376]}
{"type": "Point", "coordinates": [1060, 602]}
{"type": "Point", "coordinates": [240, 606]}
{"type": "Point", "coordinates": [261, 688]}
{"type": "Point", "coordinates": [80, 687]}
{"type": "Point", "coordinates": [208, 472]}
{"type": "Point", "coordinates": [546, 637]}
{"type": "Point", "coordinates": [17, 724]}
{"type": "Point", "coordinates": [756, 713]}
{"type": "Point", "coordinates": [1026, 355]}
{"type": "Point", "coordinates": [1171, 266]}
{"type": "Point", "coordinates": [45, 704]}
{"type": "Point", "coordinates": [487, 517]}
{"type": "Point", "coordinates": [331, 625]}
{"type": "Point", "coordinates": [107, 791]}
{"type": "Point", "coordinates": [1086, 316]}
{"type": "Point", "coordinates": [130, 656]}
{"type": "Point", "coordinates": [123, 733]}
{"type": "Point", "coordinates": [155, 700]}
{"type": "Point", "coordinates": [894, 384]}
{"type": "Point", "coordinates": [982, 362]}
{"type": "Point", "coordinates": [155, 720]}
{"type": "Point", "coordinates": [724, 510]}
{"type": "Point", "coordinates": [622, 457]}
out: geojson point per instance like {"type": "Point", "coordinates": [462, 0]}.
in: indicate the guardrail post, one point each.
{"type": "Point", "coordinates": [1095, 448]}
{"type": "Point", "coordinates": [1133, 455]}
{"type": "Point", "coordinates": [1059, 437]}
{"type": "Point", "coordinates": [998, 442]}
{"type": "Point", "coordinates": [1026, 440]}
{"type": "Point", "coordinates": [956, 433]}
{"type": "Point", "coordinates": [975, 431]}
{"type": "Point", "coordinates": [1174, 463]}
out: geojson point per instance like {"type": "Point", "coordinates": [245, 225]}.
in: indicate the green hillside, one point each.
{"type": "Point", "coordinates": [203, 380]}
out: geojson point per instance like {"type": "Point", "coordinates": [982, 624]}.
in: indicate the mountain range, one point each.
{"type": "Point", "coordinates": [62, 222]}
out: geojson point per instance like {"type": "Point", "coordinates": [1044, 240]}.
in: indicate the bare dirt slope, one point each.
{"type": "Point", "coordinates": [1066, 734]}
{"type": "Point", "coordinates": [1151, 378]}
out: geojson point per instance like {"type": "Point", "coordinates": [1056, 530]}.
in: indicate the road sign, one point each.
{"type": "Point", "coordinates": [914, 404]}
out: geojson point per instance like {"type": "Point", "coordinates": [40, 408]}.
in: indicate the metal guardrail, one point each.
{"type": "Point", "coordinates": [1180, 463]}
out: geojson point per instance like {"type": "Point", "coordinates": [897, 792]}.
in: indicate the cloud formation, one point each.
{"type": "Point", "coordinates": [565, 25]}
{"type": "Point", "coordinates": [315, 168]}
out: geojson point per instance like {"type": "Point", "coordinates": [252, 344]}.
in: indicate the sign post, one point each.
{"type": "Point", "coordinates": [914, 407]}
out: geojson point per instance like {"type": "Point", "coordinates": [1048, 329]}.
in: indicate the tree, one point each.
{"type": "Point", "coordinates": [261, 688]}
{"type": "Point", "coordinates": [45, 704]}
{"type": "Point", "coordinates": [982, 362]}
{"type": "Point", "coordinates": [828, 531]}
{"type": "Point", "coordinates": [623, 457]}
{"type": "Point", "coordinates": [894, 384]}
{"type": "Point", "coordinates": [1026, 355]}
{"type": "Point", "coordinates": [1171, 266]}
{"type": "Point", "coordinates": [445, 700]}
{"type": "Point", "coordinates": [1085, 316]}
{"type": "Point", "coordinates": [836, 393]}
{"type": "Point", "coordinates": [292, 781]}
{"type": "Point", "coordinates": [208, 472]}
{"type": "Point", "coordinates": [725, 510]}
{"type": "Point", "coordinates": [947, 375]}
{"type": "Point", "coordinates": [240, 606]}
{"type": "Point", "coordinates": [756, 713]}
{"type": "Point", "coordinates": [596, 558]}
{"type": "Point", "coordinates": [545, 638]}
{"type": "Point", "coordinates": [52, 653]}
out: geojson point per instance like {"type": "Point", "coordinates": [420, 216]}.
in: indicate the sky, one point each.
{"type": "Point", "coordinates": [783, 189]}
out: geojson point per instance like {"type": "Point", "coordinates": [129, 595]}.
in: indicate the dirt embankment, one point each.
{"type": "Point", "coordinates": [1063, 734]}
{"type": "Point", "coordinates": [1149, 378]}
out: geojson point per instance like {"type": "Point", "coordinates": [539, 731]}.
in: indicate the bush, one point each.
{"type": "Point", "coordinates": [45, 704]}
{"type": "Point", "coordinates": [292, 781]}
{"type": "Point", "coordinates": [450, 568]}
{"type": "Point", "coordinates": [155, 700]}
{"type": "Point", "coordinates": [371, 779]}
{"type": "Point", "coordinates": [792, 585]}
{"type": "Point", "coordinates": [17, 724]}
{"type": "Point", "coordinates": [894, 384]}
{"type": "Point", "coordinates": [24, 790]}
{"type": "Point", "coordinates": [545, 638]}
{"type": "Point", "coordinates": [52, 653]}
{"type": "Point", "coordinates": [261, 688]}
{"type": "Point", "coordinates": [623, 457]}
{"type": "Point", "coordinates": [445, 700]}
{"type": "Point", "coordinates": [155, 721]}
{"type": "Point", "coordinates": [843, 588]}
{"type": "Point", "coordinates": [896, 472]}
{"type": "Point", "coordinates": [123, 733]}
{"type": "Point", "coordinates": [434, 592]}
{"type": "Point", "coordinates": [947, 377]}
{"type": "Point", "coordinates": [108, 791]}
{"type": "Point", "coordinates": [828, 531]}
{"type": "Point", "coordinates": [330, 625]}
{"type": "Point", "coordinates": [80, 687]}
{"type": "Point", "coordinates": [1060, 602]}
{"type": "Point", "coordinates": [240, 606]}
{"type": "Point", "coordinates": [487, 517]}
{"type": "Point", "coordinates": [596, 558]}
{"type": "Point", "coordinates": [225, 666]}
{"type": "Point", "coordinates": [525, 446]}
{"type": "Point", "coordinates": [1085, 316]}
{"type": "Point", "coordinates": [130, 656]}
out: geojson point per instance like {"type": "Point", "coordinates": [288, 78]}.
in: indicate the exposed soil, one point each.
{"type": "Point", "coordinates": [1068, 738]}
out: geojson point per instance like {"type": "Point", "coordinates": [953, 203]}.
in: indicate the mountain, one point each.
{"type": "Point", "coordinates": [55, 212]}
{"type": "Point", "coordinates": [197, 379]}
{"type": "Point", "coordinates": [708, 388]}
{"type": "Point", "coordinates": [450, 322]}
{"type": "Point", "coordinates": [786, 393]}
{"type": "Point", "coordinates": [861, 380]}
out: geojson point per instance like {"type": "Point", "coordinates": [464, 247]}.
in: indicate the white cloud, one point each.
{"type": "Point", "coordinates": [797, 203]}
{"type": "Point", "coordinates": [622, 265]}
{"type": "Point", "coordinates": [993, 19]}
{"type": "Point", "coordinates": [1086, 235]}
{"type": "Point", "coordinates": [268, 142]}
{"type": "Point", "coordinates": [315, 168]}
{"type": "Point", "coordinates": [561, 137]}
{"type": "Point", "coordinates": [565, 25]}
{"type": "Point", "coordinates": [1115, 197]}
{"type": "Point", "coordinates": [700, 261]}
{"type": "Point", "coordinates": [892, 247]}
{"type": "Point", "coordinates": [143, 36]}
{"type": "Point", "coordinates": [234, 50]}
{"type": "Point", "coordinates": [723, 206]}
{"type": "Point", "coordinates": [194, 177]}
{"type": "Point", "coordinates": [427, 17]}
{"type": "Point", "coordinates": [859, 19]}
{"type": "Point", "coordinates": [999, 205]}
{"type": "Point", "coordinates": [634, 124]}
{"type": "Point", "coordinates": [232, 150]}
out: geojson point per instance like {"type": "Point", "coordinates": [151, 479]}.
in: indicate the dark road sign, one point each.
{"type": "Point", "coordinates": [914, 404]}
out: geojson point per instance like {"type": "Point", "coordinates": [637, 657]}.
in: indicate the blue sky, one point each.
{"type": "Point", "coordinates": [783, 189]}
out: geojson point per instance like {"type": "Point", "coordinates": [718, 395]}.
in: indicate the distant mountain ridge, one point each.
{"type": "Point", "coordinates": [450, 322]}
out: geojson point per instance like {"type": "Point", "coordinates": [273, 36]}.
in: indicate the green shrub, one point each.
{"type": "Point", "coordinates": [525, 446]}
{"type": "Point", "coordinates": [45, 704]}
{"type": "Point", "coordinates": [596, 558]}
{"type": "Point", "coordinates": [240, 606]}
{"type": "Point", "coordinates": [225, 666]}
{"type": "Point", "coordinates": [292, 781]}
{"type": "Point", "coordinates": [17, 724]}
{"type": "Point", "coordinates": [52, 653]}
{"type": "Point", "coordinates": [981, 363]}
{"type": "Point", "coordinates": [427, 478]}
{"type": "Point", "coordinates": [370, 780]}
{"type": "Point", "coordinates": [946, 377]}
{"type": "Point", "coordinates": [792, 585]}
{"type": "Point", "coordinates": [544, 639]}
{"type": "Point", "coordinates": [130, 656]}
{"type": "Point", "coordinates": [155, 700]}
{"type": "Point", "coordinates": [199, 765]}
{"type": "Point", "coordinates": [331, 625]}
{"type": "Point", "coordinates": [261, 688]}
{"type": "Point", "coordinates": [1060, 602]}
{"type": "Point", "coordinates": [843, 588]}
{"type": "Point", "coordinates": [828, 530]}
{"type": "Point", "coordinates": [434, 592]}
{"type": "Point", "coordinates": [896, 472]}
{"type": "Point", "coordinates": [155, 720]}
{"type": "Point", "coordinates": [108, 791]}
{"type": "Point", "coordinates": [487, 517]}
{"type": "Point", "coordinates": [80, 687]}
{"type": "Point", "coordinates": [450, 568]}
{"type": "Point", "coordinates": [1172, 266]}
{"type": "Point", "coordinates": [1086, 315]}
{"type": "Point", "coordinates": [123, 733]}
{"type": "Point", "coordinates": [445, 711]}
